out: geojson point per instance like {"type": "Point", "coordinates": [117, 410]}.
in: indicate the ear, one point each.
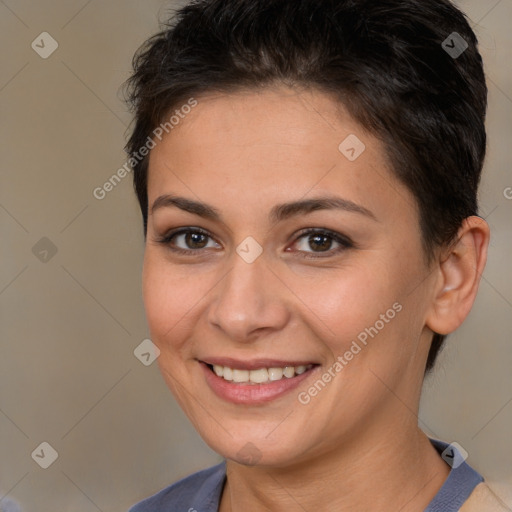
{"type": "Point", "coordinates": [459, 269]}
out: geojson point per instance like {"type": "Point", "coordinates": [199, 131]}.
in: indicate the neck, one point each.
{"type": "Point", "coordinates": [396, 469]}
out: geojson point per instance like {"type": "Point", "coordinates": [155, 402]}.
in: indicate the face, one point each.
{"type": "Point", "coordinates": [284, 278]}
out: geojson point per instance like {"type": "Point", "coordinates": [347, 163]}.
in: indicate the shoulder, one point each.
{"type": "Point", "coordinates": [201, 489]}
{"type": "Point", "coordinates": [482, 499]}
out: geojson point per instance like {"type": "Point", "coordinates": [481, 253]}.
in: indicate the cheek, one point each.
{"type": "Point", "coordinates": [366, 315]}
{"type": "Point", "coordinates": [344, 302]}
{"type": "Point", "coordinates": [169, 300]}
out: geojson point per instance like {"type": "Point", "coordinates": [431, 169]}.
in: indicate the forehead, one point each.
{"type": "Point", "coordinates": [271, 146]}
{"type": "Point", "coordinates": [283, 118]}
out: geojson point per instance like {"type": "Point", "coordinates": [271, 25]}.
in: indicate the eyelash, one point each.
{"type": "Point", "coordinates": [345, 242]}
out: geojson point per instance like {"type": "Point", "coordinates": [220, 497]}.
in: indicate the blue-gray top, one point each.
{"type": "Point", "coordinates": [201, 492]}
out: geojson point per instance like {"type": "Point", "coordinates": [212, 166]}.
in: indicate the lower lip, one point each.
{"type": "Point", "coordinates": [252, 394]}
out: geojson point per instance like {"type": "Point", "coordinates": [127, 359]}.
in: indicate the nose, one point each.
{"type": "Point", "coordinates": [249, 301]}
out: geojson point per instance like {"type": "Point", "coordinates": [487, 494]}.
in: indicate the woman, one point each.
{"type": "Point", "coordinates": [307, 173]}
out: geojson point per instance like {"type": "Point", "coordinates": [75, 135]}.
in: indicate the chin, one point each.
{"type": "Point", "coordinates": [258, 450]}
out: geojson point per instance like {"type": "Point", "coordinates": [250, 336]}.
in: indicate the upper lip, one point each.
{"type": "Point", "coordinates": [253, 364]}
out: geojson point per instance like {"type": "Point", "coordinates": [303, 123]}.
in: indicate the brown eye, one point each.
{"type": "Point", "coordinates": [195, 240]}
{"type": "Point", "coordinates": [188, 241]}
{"type": "Point", "coordinates": [320, 242]}
{"type": "Point", "coordinates": [323, 242]}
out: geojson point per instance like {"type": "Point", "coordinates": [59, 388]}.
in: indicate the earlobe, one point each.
{"type": "Point", "coordinates": [459, 268]}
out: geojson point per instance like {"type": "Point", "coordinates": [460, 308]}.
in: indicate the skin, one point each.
{"type": "Point", "coordinates": [356, 445]}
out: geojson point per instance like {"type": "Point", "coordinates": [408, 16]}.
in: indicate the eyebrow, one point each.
{"type": "Point", "coordinates": [278, 213]}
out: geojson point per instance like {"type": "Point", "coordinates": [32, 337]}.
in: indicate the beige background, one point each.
{"type": "Point", "coordinates": [69, 325]}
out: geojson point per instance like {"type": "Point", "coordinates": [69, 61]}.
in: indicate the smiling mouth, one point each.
{"type": "Point", "coordinates": [258, 375]}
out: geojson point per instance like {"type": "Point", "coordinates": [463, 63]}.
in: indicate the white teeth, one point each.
{"type": "Point", "coordinates": [259, 376]}
{"type": "Point", "coordinates": [289, 371]}
{"type": "Point", "coordinates": [275, 373]}
{"type": "Point", "coordinates": [240, 375]}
